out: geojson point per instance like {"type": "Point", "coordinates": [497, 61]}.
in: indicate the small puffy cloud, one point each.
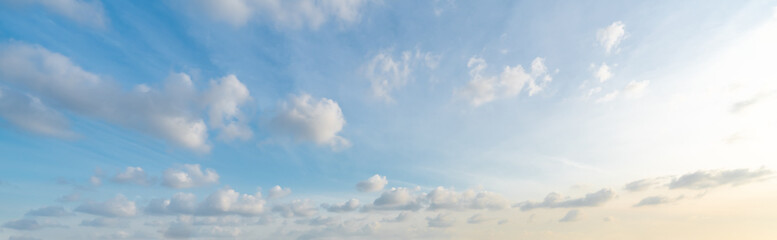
{"type": "Point", "coordinates": [29, 224]}
{"type": "Point", "coordinates": [52, 211]}
{"type": "Point", "coordinates": [189, 176]}
{"type": "Point", "coordinates": [296, 208]}
{"type": "Point", "coordinates": [133, 175]}
{"type": "Point", "coordinates": [611, 36]}
{"type": "Point", "coordinates": [90, 13]}
{"type": "Point", "coordinates": [442, 198]}
{"type": "Point", "coordinates": [656, 200]}
{"type": "Point", "coordinates": [308, 119]}
{"type": "Point", "coordinates": [278, 192]}
{"type": "Point", "coordinates": [396, 199]}
{"type": "Point", "coordinates": [440, 221]}
{"type": "Point", "coordinates": [104, 222]}
{"type": "Point", "coordinates": [372, 184]}
{"type": "Point", "coordinates": [603, 73]}
{"type": "Point", "coordinates": [290, 13]}
{"type": "Point", "coordinates": [554, 200]}
{"type": "Point", "coordinates": [227, 201]}
{"type": "Point", "coordinates": [715, 178]}
{"type": "Point", "coordinates": [387, 74]}
{"type": "Point", "coordinates": [635, 89]}
{"type": "Point", "coordinates": [118, 206]}
{"type": "Point", "coordinates": [571, 216]}
{"type": "Point", "coordinates": [180, 203]}
{"type": "Point", "coordinates": [348, 206]}
{"type": "Point", "coordinates": [224, 99]}
{"type": "Point", "coordinates": [511, 82]}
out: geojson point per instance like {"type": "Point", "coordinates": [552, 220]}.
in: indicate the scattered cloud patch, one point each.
{"type": "Point", "coordinates": [189, 176]}
{"type": "Point", "coordinates": [441, 221]}
{"type": "Point", "coordinates": [296, 208]}
{"type": "Point", "coordinates": [603, 73]}
{"type": "Point", "coordinates": [482, 89]}
{"type": "Point", "coordinates": [348, 206]}
{"type": "Point", "coordinates": [372, 184]}
{"type": "Point", "coordinates": [29, 224]}
{"type": "Point", "coordinates": [308, 119]}
{"type": "Point", "coordinates": [118, 206]}
{"type": "Point", "coordinates": [278, 192]}
{"type": "Point", "coordinates": [442, 198]}
{"type": "Point", "coordinates": [611, 36]}
{"type": "Point", "coordinates": [387, 74]}
{"type": "Point", "coordinates": [555, 200]}
{"type": "Point", "coordinates": [656, 200]}
{"type": "Point", "coordinates": [133, 175]}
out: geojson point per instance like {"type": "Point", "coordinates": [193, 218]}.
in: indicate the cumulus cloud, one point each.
{"type": "Point", "coordinates": [442, 198]}
{"type": "Point", "coordinates": [715, 178]}
{"type": "Point", "coordinates": [296, 208]}
{"type": "Point", "coordinates": [611, 36]}
{"type": "Point", "coordinates": [227, 201]}
{"type": "Point", "coordinates": [555, 200]}
{"type": "Point", "coordinates": [294, 13]}
{"type": "Point", "coordinates": [347, 206]}
{"type": "Point", "coordinates": [396, 199]}
{"type": "Point", "coordinates": [29, 224]}
{"type": "Point", "coordinates": [440, 221]}
{"type": "Point", "coordinates": [133, 175]}
{"type": "Point", "coordinates": [372, 184]}
{"type": "Point", "coordinates": [571, 216]}
{"type": "Point", "coordinates": [656, 200]}
{"type": "Point", "coordinates": [225, 97]}
{"type": "Point", "coordinates": [307, 119]}
{"type": "Point", "coordinates": [189, 176]}
{"type": "Point", "coordinates": [170, 112]}
{"type": "Point", "coordinates": [483, 89]}
{"type": "Point", "coordinates": [387, 74]}
{"type": "Point", "coordinates": [278, 192]}
{"type": "Point", "coordinates": [118, 206]}
{"type": "Point", "coordinates": [52, 211]}
{"type": "Point", "coordinates": [603, 73]}
{"type": "Point", "coordinates": [90, 13]}
{"type": "Point", "coordinates": [29, 113]}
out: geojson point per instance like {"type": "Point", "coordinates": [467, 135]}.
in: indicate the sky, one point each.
{"type": "Point", "coordinates": [370, 119]}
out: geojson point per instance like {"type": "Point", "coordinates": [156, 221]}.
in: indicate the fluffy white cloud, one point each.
{"type": "Point", "coordinates": [511, 82]}
{"type": "Point", "coordinates": [90, 13]}
{"type": "Point", "coordinates": [296, 208]}
{"type": "Point", "coordinates": [554, 200]}
{"type": "Point", "coordinates": [396, 199]}
{"type": "Point", "coordinates": [52, 211]}
{"type": "Point", "coordinates": [118, 206]}
{"type": "Point", "coordinates": [189, 176]}
{"type": "Point", "coordinates": [347, 206]}
{"type": "Point", "coordinates": [387, 74]}
{"type": "Point", "coordinates": [29, 113]}
{"type": "Point", "coordinates": [603, 73]}
{"type": "Point", "coordinates": [308, 119]}
{"type": "Point", "coordinates": [227, 201]}
{"type": "Point", "coordinates": [372, 184]}
{"type": "Point", "coordinates": [716, 178]}
{"type": "Point", "coordinates": [611, 36]}
{"type": "Point", "coordinates": [224, 98]}
{"type": "Point", "coordinates": [278, 192]}
{"type": "Point", "coordinates": [441, 221]}
{"type": "Point", "coordinates": [293, 13]}
{"type": "Point", "coordinates": [134, 175]}
{"type": "Point", "coordinates": [571, 216]}
{"type": "Point", "coordinates": [169, 113]}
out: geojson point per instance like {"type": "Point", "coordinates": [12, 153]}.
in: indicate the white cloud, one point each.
{"type": "Point", "coordinates": [483, 89]}
{"type": "Point", "coordinates": [716, 178]}
{"type": "Point", "coordinates": [293, 13]}
{"type": "Point", "coordinates": [278, 192]}
{"type": "Point", "coordinates": [169, 113]}
{"type": "Point", "coordinates": [571, 216]}
{"type": "Point", "coordinates": [554, 200]}
{"type": "Point", "coordinates": [387, 74]}
{"type": "Point", "coordinates": [611, 36]}
{"type": "Point", "coordinates": [396, 199]}
{"type": "Point", "coordinates": [31, 114]}
{"type": "Point", "coordinates": [224, 98]}
{"type": "Point", "coordinates": [227, 201]}
{"type": "Point", "coordinates": [635, 89]}
{"type": "Point", "coordinates": [118, 206]}
{"type": "Point", "coordinates": [347, 206]}
{"type": "Point", "coordinates": [308, 119]}
{"type": "Point", "coordinates": [52, 211]}
{"type": "Point", "coordinates": [442, 198]}
{"type": "Point", "coordinates": [296, 208]}
{"type": "Point", "coordinates": [643, 184]}
{"type": "Point", "coordinates": [656, 200]}
{"type": "Point", "coordinates": [440, 221]}
{"type": "Point", "coordinates": [372, 184]}
{"type": "Point", "coordinates": [603, 73]}
{"type": "Point", "coordinates": [133, 175]}
{"type": "Point", "coordinates": [89, 13]}
{"type": "Point", "coordinates": [189, 176]}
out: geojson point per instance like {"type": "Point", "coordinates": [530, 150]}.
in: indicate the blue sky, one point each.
{"type": "Point", "coordinates": [499, 103]}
